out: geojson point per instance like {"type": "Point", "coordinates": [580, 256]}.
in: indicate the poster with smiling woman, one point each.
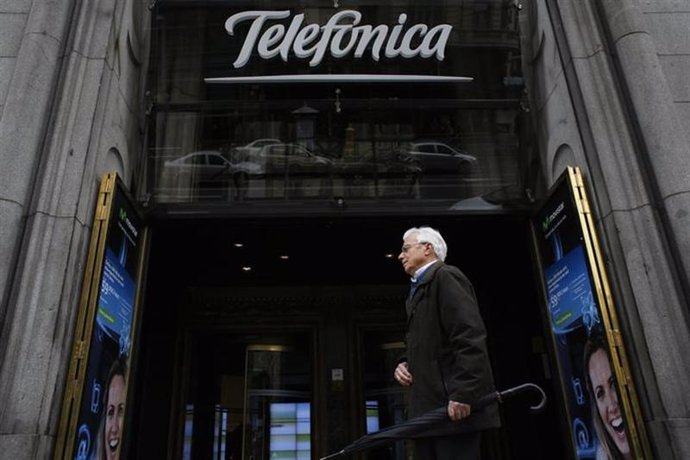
{"type": "Point", "coordinates": [607, 415]}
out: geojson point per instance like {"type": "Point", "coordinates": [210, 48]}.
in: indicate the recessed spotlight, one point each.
{"type": "Point", "coordinates": [389, 256]}
{"type": "Point", "coordinates": [238, 245]}
{"type": "Point", "coordinates": [246, 269]}
{"type": "Point", "coordinates": [284, 257]}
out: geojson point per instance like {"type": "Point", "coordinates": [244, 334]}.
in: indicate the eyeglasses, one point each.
{"type": "Point", "coordinates": [407, 247]}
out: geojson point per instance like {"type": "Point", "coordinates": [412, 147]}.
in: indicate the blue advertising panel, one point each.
{"type": "Point", "coordinates": [100, 423]}
{"type": "Point", "coordinates": [596, 420]}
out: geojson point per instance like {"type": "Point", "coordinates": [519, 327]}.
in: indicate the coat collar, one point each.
{"type": "Point", "coordinates": [427, 276]}
{"type": "Point", "coordinates": [430, 272]}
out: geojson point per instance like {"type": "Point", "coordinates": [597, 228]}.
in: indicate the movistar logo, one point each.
{"type": "Point", "coordinates": [128, 223]}
{"type": "Point", "coordinates": [548, 220]}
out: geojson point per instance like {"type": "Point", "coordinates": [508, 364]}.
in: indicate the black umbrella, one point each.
{"type": "Point", "coordinates": [429, 423]}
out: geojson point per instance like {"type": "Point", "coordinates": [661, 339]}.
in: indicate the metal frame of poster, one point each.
{"type": "Point", "coordinates": [601, 404]}
{"type": "Point", "coordinates": [94, 405]}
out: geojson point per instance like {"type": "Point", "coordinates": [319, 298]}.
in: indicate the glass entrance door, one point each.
{"type": "Point", "coordinates": [249, 396]}
{"type": "Point", "coordinates": [384, 399]}
{"type": "Point", "coordinates": [277, 410]}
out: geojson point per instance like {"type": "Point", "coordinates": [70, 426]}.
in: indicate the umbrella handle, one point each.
{"type": "Point", "coordinates": [523, 388]}
{"type": "Point", "coordinates": [500, 396]}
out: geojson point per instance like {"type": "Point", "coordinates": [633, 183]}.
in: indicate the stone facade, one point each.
{"type": "Point", "coordinates": [607, 82]}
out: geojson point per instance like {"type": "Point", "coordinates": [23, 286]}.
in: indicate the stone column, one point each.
{"type": "Point", "coordinates": [31, 49]}
{"type": "Point", "coordinates": [664, 152]}
{"type": "Point", "coordinates": [23, 126]}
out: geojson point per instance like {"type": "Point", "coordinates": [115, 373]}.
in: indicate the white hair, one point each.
{"type": "Point", "coordinates": [431, 236]}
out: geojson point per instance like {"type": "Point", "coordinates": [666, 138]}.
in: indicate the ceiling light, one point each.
{"type": "Point", "coordinates": [246, 269]}
{"type": "Point", "coordinates": [284, 257]}
{"type": "Point", "coordinates": [388, 256]}
{"type": "Point", "coordinates": [238, 245]}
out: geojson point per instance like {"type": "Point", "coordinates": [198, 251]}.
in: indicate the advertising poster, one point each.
{"type": "Point", "coordinates": [596, 419]}
{"type": "Point", "coordinates": [104, 393]}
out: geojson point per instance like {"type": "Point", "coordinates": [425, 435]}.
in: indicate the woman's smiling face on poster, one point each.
{"type": "Point", "coordinates": [604, 389]}
{"type": "Point", "coordinates": [114, 417]}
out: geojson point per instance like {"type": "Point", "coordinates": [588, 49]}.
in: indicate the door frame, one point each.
{"type": "Point", "coordinates": [357, 392]}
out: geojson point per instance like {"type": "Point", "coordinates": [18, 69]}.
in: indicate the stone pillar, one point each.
{"type": "Point", "coordinates": [665, 155]}
{"type": "Point", "coordinates": [25, 116]}
{"type": "Point", "coordinates": [32, 50]}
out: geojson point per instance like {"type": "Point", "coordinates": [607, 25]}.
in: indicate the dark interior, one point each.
{"type": "Point", "coordinates": [189, 258]}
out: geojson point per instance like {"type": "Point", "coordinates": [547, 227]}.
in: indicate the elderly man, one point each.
{"type": "Point", "coordinates": [447, 361]}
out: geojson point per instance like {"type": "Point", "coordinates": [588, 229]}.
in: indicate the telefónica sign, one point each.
{"type": "Point", "coordinates": [341, 36]}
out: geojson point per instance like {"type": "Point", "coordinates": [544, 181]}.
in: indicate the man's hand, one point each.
{"type": "Point", "coordinates": [402, 375]}
{"type": "Point", "coordinates": [458, 411]}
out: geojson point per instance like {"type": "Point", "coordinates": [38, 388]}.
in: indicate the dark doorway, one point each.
{"type": "Point", "coordinates": [340, 276]}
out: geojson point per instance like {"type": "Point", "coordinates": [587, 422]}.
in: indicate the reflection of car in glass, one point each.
{"type": "Point", "coordinates": [439, 157]}
{"type": "Point", "coordinates": [209, 165]}
{"type": "Point", "coordinates": [243, 152]}
{"type": "Point", "coordinates": [208, 169]}
{"type": "Point", "coordinates": [293, 170]}
{"type": "Point", "coordinates": [292, 158]}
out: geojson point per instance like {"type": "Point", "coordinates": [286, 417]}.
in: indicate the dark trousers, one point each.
{"type": "Point", "coordinates": [464, 446]}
